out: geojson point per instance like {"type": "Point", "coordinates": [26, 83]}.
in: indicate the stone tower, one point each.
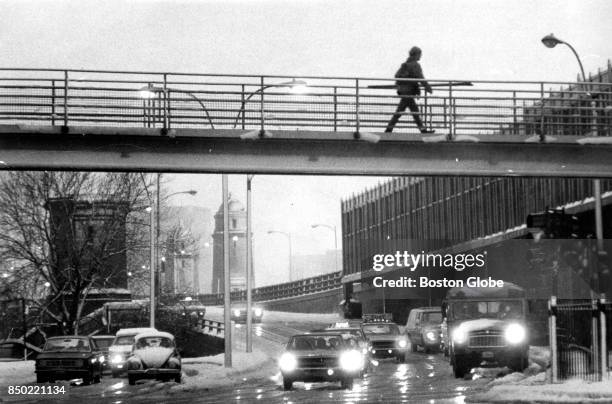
{"type": "Point", "coordinates": [237, 247]}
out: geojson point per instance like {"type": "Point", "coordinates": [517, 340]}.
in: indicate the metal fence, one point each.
{"type": "Point", "coordinates": [283, 290]}
{"type": "Point", "coordinates": [208, 101]}
{"type": "Point", "coordinates": [579, 339]}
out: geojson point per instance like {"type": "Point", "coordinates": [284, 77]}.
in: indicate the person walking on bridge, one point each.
{"type": "Point", "coordinates": [409, 90]}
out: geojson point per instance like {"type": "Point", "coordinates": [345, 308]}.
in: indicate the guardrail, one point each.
{"type": "Point", "coordinates": [215, 101]}
{"type": "Point", "coordinates": [283, 290]}
{"type": "Point", "coordinates": [211, 326]}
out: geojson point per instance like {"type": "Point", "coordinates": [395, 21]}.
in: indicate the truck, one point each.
{"type": "Point", "coordinates": [486, 327]}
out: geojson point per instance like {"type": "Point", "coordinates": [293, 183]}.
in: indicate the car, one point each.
{"type": "Point", "coordinates": [423, 328]}
{"type": "Point", "coordinates": [69, 357]}
{"type": "Point", "coordinates": [354, 333]}
{"type": "Point", "coordinates": [103, 343]}
{"type": "Point", "coordinates": [122, 348]}
{"type": "Point", "coordinates": [239, 314]}
{"type": "Point", "coordinates": [386, 340]}
{"type": "Point", "coordinates": [320, 357]}
{"type": "Point", "coordinates": [154, 356]}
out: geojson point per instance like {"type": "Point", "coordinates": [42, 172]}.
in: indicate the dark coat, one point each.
{"type": "Point", "coordinates": [410, 69]}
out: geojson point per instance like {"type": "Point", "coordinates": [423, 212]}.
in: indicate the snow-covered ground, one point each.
{"type": "Point", "coordinates": [531, 386]}
{"type": "Point", "coordinates": [19, 372]}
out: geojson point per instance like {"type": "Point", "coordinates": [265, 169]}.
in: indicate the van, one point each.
{"type": "Point", "coordinates": [423, 328]}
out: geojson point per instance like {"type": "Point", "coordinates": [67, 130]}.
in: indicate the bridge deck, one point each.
{"type": "Point", "coordinates": [95, 120]}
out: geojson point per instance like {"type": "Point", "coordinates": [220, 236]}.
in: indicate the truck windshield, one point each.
{"type": "Point", "coordinates": [487, 309]}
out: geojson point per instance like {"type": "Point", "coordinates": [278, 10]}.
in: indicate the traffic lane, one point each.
{"type": "Point", "coordinates": [422, 378]}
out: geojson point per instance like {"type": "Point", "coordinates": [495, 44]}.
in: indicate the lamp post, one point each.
{"type": "Point", "coordinates": [249, 269]}
{"type": "Point", "coordinates": [550, 41]}
{"type": "Point", "coordinates": [332, 228]}
{"type": "Point", "coordinates": [296, 86]}
{"type": "Point", "coordinates": [288, 235]}
{"type": "Point", "coordinates": [151, 210]}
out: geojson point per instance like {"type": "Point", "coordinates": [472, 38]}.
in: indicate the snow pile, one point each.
{"type": "Point", "coordinates": [533, 390]}
{"type": "Point", "coordinates": [208, 371]}
{"type": "Point", "coordinates": [19, 372]}
{"type": "Point", "coordinates": [540, 355]}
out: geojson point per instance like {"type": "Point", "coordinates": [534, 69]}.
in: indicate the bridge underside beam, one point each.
{"type": "Point", "coordinates": [335, 153]}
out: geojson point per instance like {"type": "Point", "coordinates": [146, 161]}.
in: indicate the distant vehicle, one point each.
{"type": "Point", "coordinates": [423, 328]}
{"type": "Point", "coordinates": [320, 357]}
{"type": "Point", "coordinates": [385, 339]}
{"type": "Point", "coordinates": [121, 348]}
{"type": "Point", "coordinates": [154, 356]}
{"type": "Point", "coordinates": [103, 343]}
{"type": "Point", "coordinates": [239, 314]}
{"type": "Point", "coordinates": [487, 327]}
{"type": "Point", "coordinates": [69, 357]}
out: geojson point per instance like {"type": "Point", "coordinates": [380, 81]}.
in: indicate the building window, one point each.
{"type": "Point", "coordinates": [234, 223]}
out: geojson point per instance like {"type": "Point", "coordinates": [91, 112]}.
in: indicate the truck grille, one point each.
{"type": "Point", "coordinates": [68, 363]}
{"type": "Point", "coordinates": [322, 362]}
{"type": "Point", "coordinates": [383, 344]}
{"type": "Point", "coordinates": [481, 339]}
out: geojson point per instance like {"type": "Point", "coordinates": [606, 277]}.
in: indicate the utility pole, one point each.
{"type": "Point", "coordinates": [227, 324]}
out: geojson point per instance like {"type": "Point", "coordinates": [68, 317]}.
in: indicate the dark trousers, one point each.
{"type": "Point", "coordinates": [406, 101]}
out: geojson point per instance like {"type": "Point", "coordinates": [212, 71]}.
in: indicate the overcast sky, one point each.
{"type": "Point", "coordinates": [471, 40]}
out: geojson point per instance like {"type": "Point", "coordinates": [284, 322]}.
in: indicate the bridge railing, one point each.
{"type": "Point", "coordinates": [283, 290]}
{"type": "Point", "coordinates": [244, 102]}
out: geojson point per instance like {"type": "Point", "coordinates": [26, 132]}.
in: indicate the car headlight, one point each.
{"type": "Point", "coordinates": [287, 362]}
{"type": "Point", "coordinates": [101, 359]}
{"type": "Point", "coordinates": [402, 343]}
{"type": "Point", "coordinates": [430, 335]}
{"type": "Point", "coordinates": [515, 333]}
{"type": "Point", "coordinates": [351, 360]}
{"type": "Point", "coordinates": [459, 335]}
{"type": "Point", "coordinates": [201, 313]}
{"type": "Point", "coordinates": [93, 360]}
{"type": "Point", "coordinates": [116, 359]}
{"type": "Point", "coordinates": [237, 313]}
{"type": "Point", "coordinates": [258, 312]}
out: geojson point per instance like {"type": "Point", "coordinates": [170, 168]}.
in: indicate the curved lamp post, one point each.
{"type": "Point", "coordinates": [296, 86]}
{"type": "Point", "coordinates": [332, 228]}
{"type": "Point", "coordinates": [288, 235]}
{"type": "Point", "coordinates": [550, 41]}
{"type": "Point", "coordinates": [150, 91]}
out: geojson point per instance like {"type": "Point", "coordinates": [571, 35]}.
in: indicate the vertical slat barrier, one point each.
{"type": "Point", "coordinates": [52, 102]}
{"type": "Point", "coordinates": [66, 98]}
{"type": "Point", "coordinates": [552, 332]}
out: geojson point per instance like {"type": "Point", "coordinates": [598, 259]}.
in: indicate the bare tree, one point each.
{"type": "Point", "coordinates": [59, 257]}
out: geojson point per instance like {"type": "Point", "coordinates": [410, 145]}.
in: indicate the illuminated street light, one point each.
{"type": "Point", "coordinates": [150, 91]}
{"type": "Point", "coordinates": [550, 41]}
{"type": "Point", "coordinates": [5, 275]}
{"type": "Point", "coordinates": [295, 87]}
{"type": "Point", "coordinates": [47, 284]}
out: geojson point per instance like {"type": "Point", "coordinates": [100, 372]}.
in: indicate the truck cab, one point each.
{"type": "Point", "coordinates": [486, 327]}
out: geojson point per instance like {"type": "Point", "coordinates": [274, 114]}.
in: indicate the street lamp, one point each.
{"type": "Point", "coordinates": [295, 86]}
{"type": "Point", "coordinates": [332, 228]}
{"type": "Point", "coordinates": [288, 235]}
{"type": "Point", "coordinates": [150, 91]}
{"type": "Point", "coordinates": [550, 41]}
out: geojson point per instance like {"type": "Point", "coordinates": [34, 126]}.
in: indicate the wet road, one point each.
{"type": "Point", "coordinates": [425, 378]}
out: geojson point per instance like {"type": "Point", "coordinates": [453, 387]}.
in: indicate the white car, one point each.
{"type": "Point", "coordinates": [154, 356]}
{"type": "Point", "coordinates": [121, 348]}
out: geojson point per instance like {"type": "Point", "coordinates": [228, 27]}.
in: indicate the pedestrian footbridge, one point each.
{"type": "Point", "coordinates": [179, 122]}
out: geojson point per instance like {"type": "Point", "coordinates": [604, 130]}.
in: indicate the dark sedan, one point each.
{"type": "Point", "coordinates": [69, 357]}
{"type": "Point", "coordinates": [320, 357]}
{"type": "Point", "coordinates": [239, 314]}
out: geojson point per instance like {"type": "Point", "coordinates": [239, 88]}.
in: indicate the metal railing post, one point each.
{"type": "Point", "coordinates": [261, 103]}
{"type": "Point", "coordinates": [65, 98]}
{"type": "Point", "coordinates": [603, 348]}
{"type": "Point", "coordinates": [552, 335]}
{"type": "Point", "coordinates": [453, 112]}
{"type": "Point", "coordinates": [542, 136]}
{"type": "Point", "coordinates": [595, 338]}
{"type": "Point", "coordinates": [52, 102]}
{"type": "Point", "coordinates": [335, 108]}
{"type": "Point", "coordinates": [166, 103]}
{"type": "Point", "coordinates": [242, 102]}
{"type": "Point", "coordinates": [357, 117]}
{"type": "Point", "coordinates": [514, 118]}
